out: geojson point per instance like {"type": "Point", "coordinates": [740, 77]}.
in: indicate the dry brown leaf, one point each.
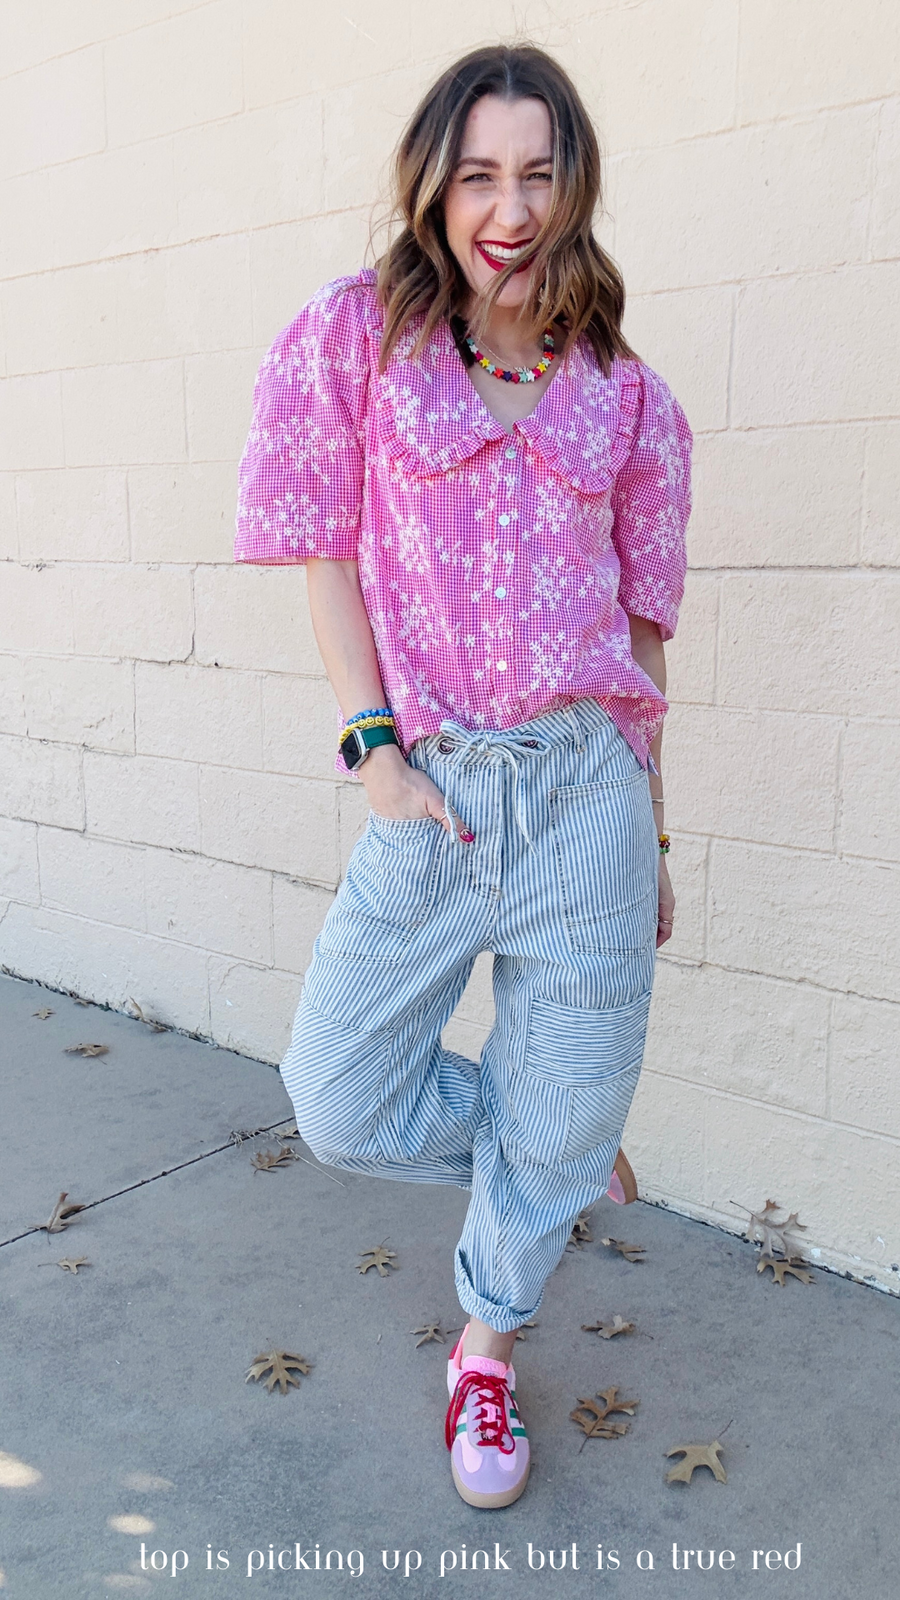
{"type": "Point", "coordinates": [430, 1331]}
{"type": "Point", "coordinates": [763, 1228]}
{"type": "Point", "coordinates": [631, 1252]}
{"type": "Point", "coordinates": [238, 1135]}
{"type": "Point", "coordinates": [282, 1368]}
{"type": "Point", "coordinates": [581, 1232]}
{"type": "Point", "coordinates": [779, 1268]}
{"type": "Point", "coordinates": [86, 1050]}
{"type": "Point", "coordinates": [269, 1160]}
{"type": "Point", "coordinates": [696, 1455]}
{"type": "Point", "coordinates": [593, 1420]}
{"type": "Point", "coordinates": [520, 1334]}
{"type": "Point", "coordinates": [158, 1027]}
{"type": "Point", "coordinates": [44, 1013]}
{"type": "Point", "coordinates": [380, 1258]}
{"type": "Point", "coordinates": [608, 1330]}
{"type": "Point", "coordinates": [60, 1215]}
{"type": "Point", "coordinates": [68, 1263]}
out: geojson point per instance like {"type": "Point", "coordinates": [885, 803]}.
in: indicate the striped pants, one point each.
{"type": "Point", "coordinates": [561, 884]}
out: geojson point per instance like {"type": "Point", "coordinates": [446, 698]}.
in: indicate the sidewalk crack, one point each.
{"type": "Point", "coordinates": [230, 1144]}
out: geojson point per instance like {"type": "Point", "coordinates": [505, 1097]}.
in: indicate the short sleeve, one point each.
{"type": "Point", "coordinates": [651, 504]}
{"type": "Point", "coordinates": [301, 474]}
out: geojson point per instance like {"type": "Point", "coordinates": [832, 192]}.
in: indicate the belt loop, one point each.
{"type": "Point", "coordinates": [573, 714]}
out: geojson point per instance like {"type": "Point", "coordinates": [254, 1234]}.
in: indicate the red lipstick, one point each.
{"type": "Point", "coordinates": [503, 244]}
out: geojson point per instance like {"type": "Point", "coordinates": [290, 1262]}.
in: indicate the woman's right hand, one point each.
{"type": "Point", "coordinates": [401, 792]}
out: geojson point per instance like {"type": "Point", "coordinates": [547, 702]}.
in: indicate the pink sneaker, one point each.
{"type": "Point", "coordinates": [489, 1452]}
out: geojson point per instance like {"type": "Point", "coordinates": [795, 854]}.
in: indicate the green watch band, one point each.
{"type": "Point", "coordinates": [356, 744]}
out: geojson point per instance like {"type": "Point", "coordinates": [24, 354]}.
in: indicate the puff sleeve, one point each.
{"type": "Point", "coordinates": [651, 503]}
{"type": "Point", "coordinates": [300, 479]}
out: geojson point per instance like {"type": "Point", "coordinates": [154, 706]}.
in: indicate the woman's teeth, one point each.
{"type": "Point", "coordinates": [502, 252]}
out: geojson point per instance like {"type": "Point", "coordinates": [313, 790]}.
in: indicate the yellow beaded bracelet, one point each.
{"type": "Point", "coordinates": [367, 722]}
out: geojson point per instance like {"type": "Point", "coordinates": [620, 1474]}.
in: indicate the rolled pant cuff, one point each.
{"type": "Point", "coordinates": [503, 1319]}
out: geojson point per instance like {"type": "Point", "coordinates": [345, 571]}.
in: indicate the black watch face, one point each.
{"type": "Point", "coordinates": [353, 749]}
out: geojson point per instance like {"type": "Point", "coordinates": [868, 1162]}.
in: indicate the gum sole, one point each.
{"type": "Point", "coordinates": [489, 1502]}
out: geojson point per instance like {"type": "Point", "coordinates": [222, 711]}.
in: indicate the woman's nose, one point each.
{"type": "Point", "coordinates": [511, 209]}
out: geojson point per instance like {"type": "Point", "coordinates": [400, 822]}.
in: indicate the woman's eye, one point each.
{"type": "Point", "coordinates": [486, 177]}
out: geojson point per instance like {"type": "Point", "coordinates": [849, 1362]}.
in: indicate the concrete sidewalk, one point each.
{"type": "Point", "coordinates": [125, 1419]}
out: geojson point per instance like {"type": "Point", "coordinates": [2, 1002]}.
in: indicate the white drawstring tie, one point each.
{"type": "Point", "coordinates": [510, 747]}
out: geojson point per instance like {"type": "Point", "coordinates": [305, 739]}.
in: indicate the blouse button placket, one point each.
{"type": "Point", "coordinates": [504, 520]}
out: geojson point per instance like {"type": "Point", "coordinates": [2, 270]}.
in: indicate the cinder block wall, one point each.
{"type": "Point", "coordinates": [175, 180]}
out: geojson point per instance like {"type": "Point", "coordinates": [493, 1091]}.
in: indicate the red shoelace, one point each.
{"type": "Point", "coordinates": [490, 1396]}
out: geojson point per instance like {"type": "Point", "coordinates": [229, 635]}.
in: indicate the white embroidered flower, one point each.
{"type": "Point", "coordinates": [411, 543]}
{"type": "Point", "coordinates": [550, 581]}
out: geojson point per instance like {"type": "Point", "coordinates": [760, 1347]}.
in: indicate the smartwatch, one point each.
{"type": "Point", "coordinates": [357, 743]}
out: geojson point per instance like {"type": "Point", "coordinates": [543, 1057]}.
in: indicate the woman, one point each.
{"type": "Point", "coordinates": [490, 492]}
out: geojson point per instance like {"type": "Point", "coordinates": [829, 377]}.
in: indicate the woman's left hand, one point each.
{"type": "Point", "coordinates": [666, 912]}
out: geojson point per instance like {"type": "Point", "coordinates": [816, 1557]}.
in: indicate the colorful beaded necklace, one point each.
{"type": "Point", "coordinates": [515, 374]}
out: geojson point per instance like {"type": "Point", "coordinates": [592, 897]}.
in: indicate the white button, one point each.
{"type": "Point", "coordinates": [501, 666]}
{"type": "Point", "coordinates": [500, 593]}
{"type": "Point", "coordinates": [503, 520]}
{"type": "Point", "coordinates": [511, 453]}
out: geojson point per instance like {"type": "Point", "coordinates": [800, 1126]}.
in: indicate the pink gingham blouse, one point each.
{"type": "Point", "coordinates": [497, 567]}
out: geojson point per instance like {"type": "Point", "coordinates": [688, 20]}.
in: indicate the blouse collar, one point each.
{"type": "Point", "coordinates": [582, 426]}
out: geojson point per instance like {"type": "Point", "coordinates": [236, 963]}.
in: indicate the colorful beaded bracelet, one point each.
{"type": "Point", "coordinates": [365, 722]}
{"type": "Point", "coordinates": [374, 711]}
{"type": "Point", "coordinates": [665, 844]}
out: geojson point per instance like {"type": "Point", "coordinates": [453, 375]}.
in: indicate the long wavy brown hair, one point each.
{"type": "Point", "coordinates": [573, 280]}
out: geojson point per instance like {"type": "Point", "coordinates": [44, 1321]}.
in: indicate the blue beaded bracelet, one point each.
{"type": "Point", "coordinates": [377, 711]}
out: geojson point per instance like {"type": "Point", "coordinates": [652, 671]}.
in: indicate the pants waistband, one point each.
{"type": "Point", "coordinates": [512, 746]}
{"type": "Point", "coordinates": [568, 725]}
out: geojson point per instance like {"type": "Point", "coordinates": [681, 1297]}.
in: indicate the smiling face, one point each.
{"type": "Point", "coordinates": [500, 194]}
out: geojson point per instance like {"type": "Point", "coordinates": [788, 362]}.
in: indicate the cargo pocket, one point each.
{"type": "Point", "coordinates": [388, 891]}
{"type": "Point", "coordinates": [576, 1082]}
{"type": "Point", "coordinates": [605, 847]}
